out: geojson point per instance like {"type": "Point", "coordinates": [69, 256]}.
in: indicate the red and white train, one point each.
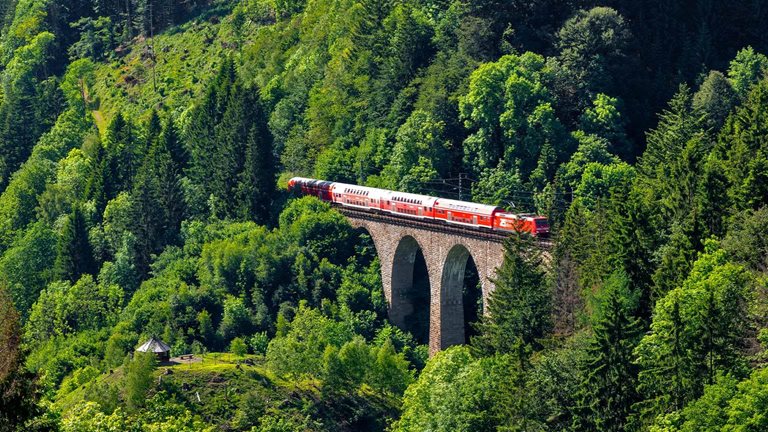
{"type": "Point", "coordinates": [416, 206]}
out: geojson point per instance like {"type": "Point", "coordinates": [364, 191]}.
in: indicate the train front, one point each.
{"type": "Point", "coordinates": [313, 187]}
{"type": "Point", "coordinates": [541, 225]}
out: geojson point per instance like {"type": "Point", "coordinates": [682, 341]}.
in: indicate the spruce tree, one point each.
{"type": "Point", "coordinates": [18, 387]}
{"type": "Point", "coordinates": [607, 391]}
{"type": "Point", "coordinates": [256, 182]}
{"type": "Point", "coordinates": [203, 135]}
{"type": "Point", "coordinates": [154, 129]}
{"type": "Point", "coordinates": [74, 255]}
{"type": "Point", "coordinates": [519, 309]}
{"type": "Point", "coordinates": [631, 240]}
{"type": "Point", "coordinates": [157, 200]}
{"type": "Point", "coordinates": [170, 159]}
{"type": "Point", "coordinates": [231, 137]}
{"type": "Point", "coordinates": [146, 215]}
{"type": "Point", "coordinates": [123, 159]}
{"type": "Point", "coordinates": [99, 180]}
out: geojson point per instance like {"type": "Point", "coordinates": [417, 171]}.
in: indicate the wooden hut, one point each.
{"type": "Point", "coordinates": [155, 345]}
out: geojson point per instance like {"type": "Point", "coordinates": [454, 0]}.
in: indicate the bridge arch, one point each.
{"type": "Point", "coordinates": [410, 289]}
{"type": "Point", "coordinates": [424, 271]}
{"type": "Point", "coordinates": [460, 294]}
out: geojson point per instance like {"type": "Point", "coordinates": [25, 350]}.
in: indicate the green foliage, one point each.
{"type": "Point", "coordinates": [592, 57]}
{"type": "Point", "coordinates": [63, 309]}
{"type": "Point", "coordinates": [29, 103]}
{"type": "Point", "coordinates": [259, 343]}
{"type": "Point", "coordinates": [727, 405]}
{"type": "Point", "coordinates": [74, 255]}
{"type": "Point", "coordinates": [139, 374]}
{"type": "Point", "coordinates": [716, 98]}
{"type": "Point", "coordinates": [19, 200]}
{"type": "Point", "coordinates": [76, 83]}
{"type": "Point", "coordinates": [607, 390]}
{"type": "Point", "coordinates": [457, 392]}
{"type": "Point", "coordinates": [597, 182]}
{"type": "Point", "coordinates": [508, 108]}
{"type": "Point", "coordinates": [745, 241]}
{"type": "Point", "coordinates": [355, 363]}
{"type": "Point", "coordinates": [238, 347]}
{"type": "Point", "coordinates": [125, 154]}
{"type": "Point", "coordinates": [675, 152]}
{"type": "Point", "coordinates": [694, 335]}
{"type": "Point", "coordinates": [230, 151]}
{"type": "Point", "coordinates": [746, 69]}
{"type": "Point", "coordinates": [742, 151]}
{"type": "Point", "coordinates": [18, 389]}
{"type": "Point", "coordinates": [301, 350]}
{"type": "Point", "coordinates": [26, 266]}
{"type": "Point", "coordinates": [518, 310]}
{"type": "Point", "coordinates": [419, 155]}
{"type": "Point", "coordinates": [604, 119]}
{"type": "Point", "coordinates": [236, 319]}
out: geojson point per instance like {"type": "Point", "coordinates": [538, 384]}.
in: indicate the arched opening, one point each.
{"type": "Point", "coordinates": [471, 299]}
{"type": "Point", "coordinates": [409, 309]}
{"type": "Point", "coordinates": [461, 297]}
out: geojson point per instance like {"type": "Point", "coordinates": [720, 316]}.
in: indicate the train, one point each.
{"type": "Point", "coordinates": [424, 207]}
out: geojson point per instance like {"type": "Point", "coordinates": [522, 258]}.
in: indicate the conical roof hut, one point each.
{"type": "Point", "coordinates": [155, 345]}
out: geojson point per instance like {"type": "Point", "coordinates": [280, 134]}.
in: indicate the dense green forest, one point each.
{"type": "Point", "coordinates": [144, 151]}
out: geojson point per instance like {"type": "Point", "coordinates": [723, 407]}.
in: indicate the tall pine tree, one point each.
{"type": "Point", "coordinates": [256, 182]}
{"type": "Point", "coordinates": [607, 391]}
{"type": "Point", "coordinates": [156, 198]}
{"type": "Point", "coordinates": [519, 309]}
{"type": "Point", "coordinates": [74, 255]}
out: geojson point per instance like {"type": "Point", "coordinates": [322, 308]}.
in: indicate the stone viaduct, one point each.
{"type": "Point", "coordinates": [446, 251]}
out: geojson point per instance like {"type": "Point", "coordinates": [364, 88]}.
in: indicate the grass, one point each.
{"type": "Point", "coordinates": [186, 57]}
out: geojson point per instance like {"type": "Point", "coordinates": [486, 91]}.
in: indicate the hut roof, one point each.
{"type": "Point", "coordinates": [154, 345]}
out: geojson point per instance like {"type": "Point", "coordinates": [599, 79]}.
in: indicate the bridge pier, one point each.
{"type": "Point", "coordinates": [446, 250]}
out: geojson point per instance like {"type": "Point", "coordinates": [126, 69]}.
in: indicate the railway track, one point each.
{"type": "Point", "coordinates": [441, 227]}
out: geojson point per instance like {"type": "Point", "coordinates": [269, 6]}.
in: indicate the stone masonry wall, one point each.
{"type": "Point", "coordinates": [446, 257]}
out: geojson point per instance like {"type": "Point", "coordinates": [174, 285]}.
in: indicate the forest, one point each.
{"type": "Point", "coordinates": [145, 147]}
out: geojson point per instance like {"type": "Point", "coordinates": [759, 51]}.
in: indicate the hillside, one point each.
{"type": "Point", "coordinates": [145, 148]}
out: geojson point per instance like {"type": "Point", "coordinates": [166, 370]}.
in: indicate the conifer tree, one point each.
{"type": "Point", "coordinates": [170, 159]}
{"type": "Point", "coordinates": [156, 199]}
{"type": "Point", "coordinates": [154, 129]}
{"type": "Point", "coordinates": [519, 309]}
{"type": "Point", "coordinates": [99, 181]}
{"type": "Point", "coordinates": [231, 137]}
{"type": "Point", "coordinates": [202, 136]}
{"type": "Point", "coordinates": [607, 391]}
{"type": "Point", "coordinates": [123, 158]}
{"type": "Point", "coordinates": [74, 255]}
{"type": "Point", "coordinates": [18, 389]}
{"type": "Point", "coordinates": [256, 183]}
{"type": "Point", "coordinates": [631, 241]}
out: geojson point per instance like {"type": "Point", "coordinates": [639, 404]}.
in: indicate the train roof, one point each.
{"type": "Point", "coordinates": [410, 198]}
{"type": "Point", "coordinates": [359, 190]}
{"type": "Point", "coordinates": [520, 215]}
{"type": "Point", "coordinates": [450, 204]}
{"type": "Point", "coordinates": [312, 182]}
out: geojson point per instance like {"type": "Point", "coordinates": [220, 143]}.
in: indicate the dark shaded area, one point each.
{"type": "Point", "coordinates": [417, 322]}
{"type": "Point", "coordinates": [471, 299]}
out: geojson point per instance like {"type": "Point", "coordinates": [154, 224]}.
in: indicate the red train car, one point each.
{"type": "Point", "coordinates": [307, 186]}
{"type": "Point", "coordinates": [357, 196]}
{"type": "Point", "coordinates": [535, 225]}
{"type": "Point", "coordinates": [448, 211]}
{"type": "Point", "coordinates": [465, 213]}
{"type": "Point", "coordinates": [407, 204]}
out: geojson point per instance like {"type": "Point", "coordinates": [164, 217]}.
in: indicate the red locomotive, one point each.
{"type": "Point", "coordinates": [449, 211]}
